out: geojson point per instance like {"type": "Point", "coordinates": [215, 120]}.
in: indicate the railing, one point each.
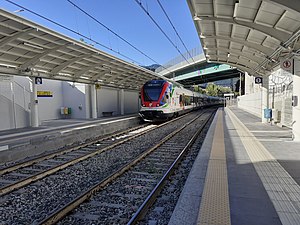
{"type": "Point", "coordinates": [180, 61]}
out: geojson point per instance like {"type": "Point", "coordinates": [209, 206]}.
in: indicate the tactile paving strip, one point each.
{"type": "Point", "coordinates": [282, 189]}
{"type": "Point", "coordinates": [214, 208]}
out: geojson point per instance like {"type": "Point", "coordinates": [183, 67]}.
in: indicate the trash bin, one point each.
{"type": "Point", "coordinates": [268, 113]}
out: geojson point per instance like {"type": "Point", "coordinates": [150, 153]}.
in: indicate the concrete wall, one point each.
{"type": "Point", "coordinates": [6, 107]}
{"type": "Point", "coordinates": [280, 96]}
{"type": "Point", "coordinates": [131, 102]}
{"type": "Point", "coordinates": [250, 103]}
{"type": "Point", "coordinates": [14, 103]}
{"type": "Point", "coordinates": [250, 86]}
{"type": "Point", "coordinates": [49, 107]}
{"type": "Point", "coordinates": [74, 97]}
{"type": "Point", "coordinates": [65, 94]}
{"type": "Point", "coordinates": [107, 101]}
{"type": "Point", "coordinates": [296, 102]}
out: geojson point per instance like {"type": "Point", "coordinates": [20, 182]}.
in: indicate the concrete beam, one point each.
{"type": "Point", "coordinates": [290, 5]}
{"type": "Point", "coordinates": [257, 47]}
{"type": "Point", "coordinates": [240, 53]}
{"type": "Point", "coordinates": [8, 39]}
{"type": "Point", "coordinates": [269, 31]}
{"type": "Point", "coordinates": [67, 63]}
{"type": "Point", "coordinates": [32, 62]}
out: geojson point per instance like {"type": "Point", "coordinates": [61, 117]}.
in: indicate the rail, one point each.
{"type": "Point", "coordinates": [21, 183]}
{"type": "Point", "coordinates": [62, 212]}
{"type": "Point", "coordinates": [156, 191]}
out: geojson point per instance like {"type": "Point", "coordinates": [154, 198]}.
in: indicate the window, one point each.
{"type": "Point", "coordinates": [152, 90]}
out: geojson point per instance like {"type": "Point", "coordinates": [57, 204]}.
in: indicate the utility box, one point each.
{"type": "Point", "coordinates": [65, 110]}
{"type": "Point", "coordinates": [267, 113]}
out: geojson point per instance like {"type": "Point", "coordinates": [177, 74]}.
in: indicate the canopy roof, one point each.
{"type": "Point", "coordinates": [28, 49]}
{"type": "Point", "coordinates": [252, 35]}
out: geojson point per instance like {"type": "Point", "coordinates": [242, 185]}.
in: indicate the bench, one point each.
{"type": "Point", "coordinates": [107, 113]}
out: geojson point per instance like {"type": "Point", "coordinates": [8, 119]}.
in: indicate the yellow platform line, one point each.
{"type": "Point", "coordinates": [214, 208]}
{"type": "Point", "coordinates": [282, 189]}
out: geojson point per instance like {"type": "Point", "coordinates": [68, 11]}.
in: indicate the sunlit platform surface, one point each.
{"type": "Point", "coordinates": [246, 173]}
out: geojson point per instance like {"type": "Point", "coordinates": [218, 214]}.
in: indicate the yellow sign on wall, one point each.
{"type": "Point", "coordinates": [44, 94]}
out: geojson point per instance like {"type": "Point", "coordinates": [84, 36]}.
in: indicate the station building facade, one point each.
{"type": "Point", "coordinates": [53, 96]}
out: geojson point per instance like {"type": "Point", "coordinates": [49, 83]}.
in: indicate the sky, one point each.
{"type": "Point", "coordinates": [124, 17]}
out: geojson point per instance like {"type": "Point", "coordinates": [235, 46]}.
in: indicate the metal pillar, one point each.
{"type": "Point", "coordinates": [34, 105]}
{"type": "Point", "coordinates": [264, 97]}
{"type": "Point", "coordinates": [296, 101]}
{"type": "Point", "coordinates": [94, 101]}
{"type": "Point", "coordinates": [121, 101]}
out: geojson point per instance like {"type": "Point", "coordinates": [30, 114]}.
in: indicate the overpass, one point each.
{"type": "Point", "coordinates": [196, 70]}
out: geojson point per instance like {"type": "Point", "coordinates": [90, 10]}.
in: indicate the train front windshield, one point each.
{"type": "Point", "coordinates": [152, 90]}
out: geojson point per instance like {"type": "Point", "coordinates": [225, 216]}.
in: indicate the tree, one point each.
{"type": "Point", "coordinates": [216, 90]}
{"type": "Point", "coordinates": [211, 89]}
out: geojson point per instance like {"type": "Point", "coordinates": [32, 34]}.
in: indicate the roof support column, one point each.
{"type": "Point", "coordinates": [34, 105]}
{"type": "Point", "coordinates": [94, 101]}
{"type": "Point", "coordinates": [296, 101]}
{"type": "Point", "coordinates": [87, 101]}
{"type": "Point", "coordinates": [264, 97]}
{"type": "Point", "coordinates": [121, 101]}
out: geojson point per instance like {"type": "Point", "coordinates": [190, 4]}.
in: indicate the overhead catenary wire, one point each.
{"type": "Point", "coordinates": [159, 27]}
{"type": "Point", "coordinates": [113, 32]}
{"type": "Point", "coordinates": [161, 6]}
{"type": "Point", "coordinates": [73, 31]}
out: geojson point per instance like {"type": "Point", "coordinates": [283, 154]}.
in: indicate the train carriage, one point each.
{"type": "Point", "coordinates": [162, 100]}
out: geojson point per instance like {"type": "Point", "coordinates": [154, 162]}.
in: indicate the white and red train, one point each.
{"type": "Point", "coordinates": [162, 100]}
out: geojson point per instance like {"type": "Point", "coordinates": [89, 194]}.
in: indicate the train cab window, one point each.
{"type": "Point", "coordinates": [152, 90]}
{"type": "Point", "coordinates": [167, 96]}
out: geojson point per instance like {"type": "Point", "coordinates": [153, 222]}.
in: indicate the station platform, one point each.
{"type": "Point", "coordinates": [246, 173]}
{"type": "Point", "coordinates": [22, 143]}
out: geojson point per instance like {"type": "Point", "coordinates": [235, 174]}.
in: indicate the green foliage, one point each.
{"type": "Point", "coordinates": [199, 89]}
{"type": "Point", "coordinates": [216, 90]}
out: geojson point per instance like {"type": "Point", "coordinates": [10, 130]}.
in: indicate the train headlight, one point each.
{"type": "Point", "coordinates": [157, 104]}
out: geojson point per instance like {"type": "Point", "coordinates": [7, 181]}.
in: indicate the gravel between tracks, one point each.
{"type": "Point", "coordinates": [34, 202]}
{"type": "Point", "coordinates": [117, 202]}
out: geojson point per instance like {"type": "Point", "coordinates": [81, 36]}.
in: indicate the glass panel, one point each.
{"type": "Point", "coordinates": [152, 90]}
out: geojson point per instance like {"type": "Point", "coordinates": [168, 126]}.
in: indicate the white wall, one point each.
{"type": "Point", "coordinates": [131, 102]}
{"type": "Point", "coordinates": [251, 103]}
{"type": "Point", "coordinates": [107, 101]}
{"type": "Point", "coordinates": [49, 107]}
{"type": "Point", "coordinates": [250, 86]}
{"type": "Point", "coordinates": [14, 103]}
{"type": "Point", "coordinates": [296, 106]}
{"type": "Point", "coordinates": [74, 97]}
{"type": "Point", "coordinates": [65, 94]}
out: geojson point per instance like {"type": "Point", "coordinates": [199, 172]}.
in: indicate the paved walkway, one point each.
{"type": "Point", "coordinates": [263, 171]}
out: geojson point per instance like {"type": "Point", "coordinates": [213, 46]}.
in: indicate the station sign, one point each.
{"type": "Point", "coordinates": [287, 65]}
{"type": "Point", "coordinates": [38, 80]}
{"type": "Point", "coordinates": [44, 94]}
{"type": "Point", "coordinates": [258, 80]}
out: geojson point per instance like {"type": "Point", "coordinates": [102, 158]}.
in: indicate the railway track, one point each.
{"type": "Point", "coordinates": [41, 198]}
{"type": "Point", "coordinates": [134, 187]}
{"type": "Point", "coordinates": [24, 173]}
